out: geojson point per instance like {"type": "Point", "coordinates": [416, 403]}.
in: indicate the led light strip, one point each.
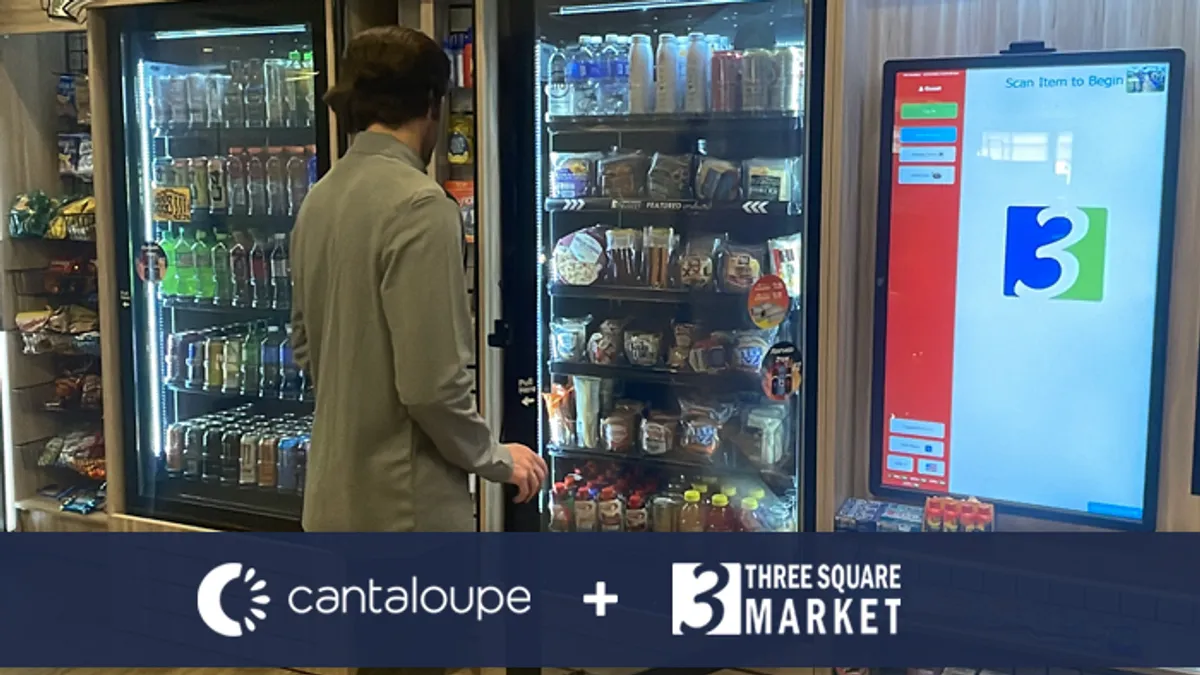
{"type": "Point", "coordinates": [228, 32]}
{"type": "Point", "coordinates": [642, 5]}
{"type": "Point", "coordinates": [153, 321]}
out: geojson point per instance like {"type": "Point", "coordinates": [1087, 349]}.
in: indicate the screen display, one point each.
{"type": "Point", "coordinates": [1025, 224]}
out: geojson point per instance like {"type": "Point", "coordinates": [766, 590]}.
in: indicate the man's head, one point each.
{"type": "Point", "coordinates": [396, 77]}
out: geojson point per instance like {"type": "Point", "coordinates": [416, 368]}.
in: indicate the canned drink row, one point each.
{"type": "Point", "coordinates": [256, 93]}
{"type": "Point", "coordinates": [268, 181]}
{"type": "Point", "coordinates": [250, 359]}
{"type": "Point", "coordinates": [241, 448]}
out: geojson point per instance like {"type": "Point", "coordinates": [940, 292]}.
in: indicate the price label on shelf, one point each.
{"type": "Point", "coordinates": [768, 302]}
{"type": "Point", "coordinates": [172, 204]}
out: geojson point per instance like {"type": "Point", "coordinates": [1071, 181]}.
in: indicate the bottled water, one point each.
{"type": "Point", "coordinates": [582, 77]}
{"type": "Point", "coordinates": [615, 85]}
{"type": "Point", "coordinates": [558, 98]}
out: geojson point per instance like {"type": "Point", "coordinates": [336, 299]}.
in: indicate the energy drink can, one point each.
{"type": "Point", "coordinates": [268, 456]}
{"type": "Point", "coordinates": [195, 364]}
{"type": "Point", "coordinates": [198, 182]}
{"type": "Point", "coordinates": [211, 468]}
{"type": "Point", "coordinates": [193, 451]}
{"type": "Point", "coordinates": [232, 383]}
{"type": "Point", "coordinates": [727, 81]}
{"type": "Point", "coordinates": [302, 464]}
{"type": "Point", "coordinates": [214, 366]}
{"type": "Point", "coordinates": [787, 90]}
{"type": "Point", "coordinates": [175, 359]}
{"type": "Point", "coordinates": [174, 450]}
{"type": "Point", "coordinates": [231, 450]}
{"type": "Point", "coordinates": [181, 170]}
{"type": "Point", "coordinates": [218, 197]}
{"type": "Point", "coordinates": [285, 475]}
{"type": "Point", "coordinates": [164, 172]}
{"type": "Point", "coordinates": [248, 460]}
{"type": "Point", "coordinates": [758, 77]}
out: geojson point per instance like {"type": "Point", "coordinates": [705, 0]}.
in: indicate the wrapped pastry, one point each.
{"type": "Point", "coordinates": [568, 339]}
{"type": "Point", "coordinates": [717, 180]}
{"type": "Point", "coordinates": [698, 264]}
{"type": "Point", "coordinates": [741, 266]}
{"type": "Point", "coordinates": [579, 258]}
{"type": "Point", "coordinates": [561, 428]}
{"type": "Point", "coordinates": [622, 175]}
{"type": "Point", "coordinates": [670, 177]}
{"type": "Point", "coordinates": [657, 246]}
{"type": "Point", "coordinates": [607, 347]}
{"type": "Point", "coordinates": [643, 348]}
{"type": "Point", "coordinates": [624, 254]}
{"type": "Point", "coordinates": [572, 174]}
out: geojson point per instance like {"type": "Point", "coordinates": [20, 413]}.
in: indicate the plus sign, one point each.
{"type": "Point", "coordinates": [601, 599]}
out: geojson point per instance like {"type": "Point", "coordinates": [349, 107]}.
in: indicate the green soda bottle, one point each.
{"type": "Point", "coordinates": [169, 243]}
{"type": "Point", "coordinates": [222, 281]}
{"type": "Point", "coordinates": [184, 278]}
{"type": "Point", "coordinates": [202, 252]}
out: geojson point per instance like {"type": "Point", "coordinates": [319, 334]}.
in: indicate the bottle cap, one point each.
{"type": "Point", "coordinates": [691, 496]}
{"type": "Point", "coordinates": [720, 500]}
{"type": "Point", "coordinates": [749, 503]}
{"type": "Point", "coordinates": [635, 501]}
{"type": "Point", "coordinates": [608, 494]}
{"type": "Point", "coordinates": [583, 494]}
{"type": "Point", "coordinates": [560, 488]}
{"type": "Point", "coordinates": [700, 488]}
{"type": "Point", "coordinates": [758, 493]}
{"type": "Point", "coordinates": [729, 490]}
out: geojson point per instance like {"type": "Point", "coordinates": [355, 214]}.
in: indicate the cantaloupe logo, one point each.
{"type": "Point", "coordinates": [208, 599]}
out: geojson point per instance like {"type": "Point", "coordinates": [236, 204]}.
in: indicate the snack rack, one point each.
{"type": "Point", "coordinates": [674, 277]}
{"type": "Point", "coordinates": [55, 465]}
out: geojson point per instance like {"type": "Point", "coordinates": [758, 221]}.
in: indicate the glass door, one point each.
{"type": "Point", "coordinates": [224, 134]}
{"type": "Point", "coordinates": [673, 321]}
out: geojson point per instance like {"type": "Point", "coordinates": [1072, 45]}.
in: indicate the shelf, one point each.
{"type": "Point", "coordinates": [242, 136]}
{"type": "Point", "coordinates": [186, 305]}
{"type": "Point", "coordinates": [40, 504]}
{"type": "Point", "coordinates": [212, 393]}
{"type": "Point", "coordinates": [667, 296]}
{"type": "Point", "coordinates": [226, 222]}
{"type": "Point", "coordinates": [715, 122]}
{"type": "Point", "coordinates": [722, 463]}
{"type": "Point", "coordinates": [728, 379]}
{"type": "Point", "coordinates": [688, 208]}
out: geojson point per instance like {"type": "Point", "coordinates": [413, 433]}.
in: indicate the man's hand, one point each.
{"type": "Point", "coordinates": [529, 471]}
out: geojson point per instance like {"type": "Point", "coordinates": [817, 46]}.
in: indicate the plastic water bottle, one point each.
{"type": "Point", "coordinates": [614, 58]}
{"type": "Point", "coordinates": [558, 95]}
{"type": "Point", "coordinates": [582, 78]}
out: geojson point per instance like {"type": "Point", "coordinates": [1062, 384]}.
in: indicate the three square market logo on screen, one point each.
{"type": "Point", "coordinates": [1052, 252]}
{"type": "Point", "coordinates": [706, 599]}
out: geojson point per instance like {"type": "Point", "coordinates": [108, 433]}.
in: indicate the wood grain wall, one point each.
{"type": "Point", "coordinates": [866, 33]}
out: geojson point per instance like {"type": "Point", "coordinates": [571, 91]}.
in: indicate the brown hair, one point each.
{"type": "Point", "coordinates": [389, 75]}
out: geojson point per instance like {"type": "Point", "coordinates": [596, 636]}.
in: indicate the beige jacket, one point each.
{"type": "Point", "coordinates": [381, 321]}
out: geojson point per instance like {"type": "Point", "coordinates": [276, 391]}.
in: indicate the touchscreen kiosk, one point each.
{"type": "Point", "coordinates": [1025, 227]}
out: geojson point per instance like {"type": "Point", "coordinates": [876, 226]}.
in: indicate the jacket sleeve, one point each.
{"type": "Point", "coordinates": [423, 290]}
{"type": "Point", "coordinates": [299, 331]}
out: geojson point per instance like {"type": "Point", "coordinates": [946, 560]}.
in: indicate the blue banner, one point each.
{"type": "Point", "coordinates": [712, 600]}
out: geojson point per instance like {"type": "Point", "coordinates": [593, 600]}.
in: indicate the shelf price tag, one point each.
{"type": "Point", "coordinates": [768, 302]}
{"type": "Point", "coordinates": [172, 204]}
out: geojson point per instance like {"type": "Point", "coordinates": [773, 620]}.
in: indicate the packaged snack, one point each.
{"type": "Point", "coordinates": [624, 249]}
{"type": "Point", "coordinates": [578, 258]}
{"type": "Point", "coordinates": [643, 348]}
{"type": "Point", "coordinates": [65, 95]}
{"type": "Point", "coordinates": [619, 429]}
{"type": "Point", "coordinates": [30, 215]}
{"type": "Point", "coordinates": [587, 410]}
{"type": "Point", "coordinates": [768, 179]}
{"type": "Point", "coordinates": [741, 266]}
{"type": "Point", "coordinates": [560, 416]}
{"type": "Point", "coordinates": [51, 453]}
{"type": "Point", "coordinates": [697, 265]}
{"type": "Point", "coordinates": [658, 243]}
{"type": "Point", "coordinates": [622, 175]}
{"type": "Point", "coordinates": [749, 349]}
{"type": "Point", "coordinates": [31, 322]}
{"type": "Point", "coordinates": [899, 518]}
{"type": "Point", "coordinates": [460, 148]}
{"type": "Point", "coordinates": [670, 177]}
{"type": "Point", "coordinates": [763, 434]}
{"type": "Point", "coordinates": [785, 262]}
{"type": "Point", "coordinates": [717, 180]}
{"type": "Point", "coordinates": [83, 100]}
{"type": "Point", "coordinates": [658, 433]}
{"type": "Point", "coordinates": [568, 339]}
{"type": "Point", "coordinates": [91, 396]}
{"type": "Point", "coordinates": [685, 339]}
{"type": "Point", "coordinates": [701, 425]}
{"type": "Point", "coordinates": [710, 355]}
{"type": "Point", "coordinates": [572, 174]}
{"type": "Point", "coordinates": [607, 347]}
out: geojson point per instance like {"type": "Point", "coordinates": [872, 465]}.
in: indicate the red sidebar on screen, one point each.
{"type": "Point", "coordinates": [922, 278]}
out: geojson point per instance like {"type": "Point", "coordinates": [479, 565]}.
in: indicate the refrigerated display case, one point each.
{"type": "Point", "coordinates": [218, 132]}
{"type": "Point", "coordinates": [661, 240]}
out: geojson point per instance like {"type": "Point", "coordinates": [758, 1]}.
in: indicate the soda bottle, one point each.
{"type": "Point", "coordinates": [268, 386]}
{"type": "Point", "coordinates": [222, 279]}
{"type": "Point", "coordinates": [169, 245]}
{"type": "Point", "coordinates": [557, 93]}
{"type": "Point", "coordinates": [184, 277]}
{"type": "Point", "coordinates": [235, 187]}
{"type": "Point", "coordinates": [560, 509]}
{"type": "Point", "coordinates": [260, 279]}
{"type": "Point", "coordinates": [310, 90]}
{"type": "Point", "coordinates": [255, 94]}
{"type": "Point", "coordinates": [233, 109]}
{"type": "Point", "coordinates": [281, 273]}
{"type": "Point", "coordinates": [275, 75]}
{"type": "Point", "coordinates": [239, 271]}
{"type": "Point", "coordinates": [289, 372]}
{"type": "Point", "coordinates": [202, 255]}
{"type": "Point", "coordinates": [720, 518]}
{"type": "Point", "coordinates": [218, 195]}
{"type": "Point", "coordinates": [231, 450]}
{"type": "Point", "coordinates": [277, 200]}
{"type": "Point", "coordinates": [193, 451]}
{"type": "Point", "coordinates": [251, 361]}
{"type": "Point", "coordinates": [256, 184]}
{"type": "Point", "coordinates": [232, 383]}
{"type": "Point", "coordinates": [248, 460]}
{"type": "Point", "coordinates": [691, 517]}
{"type": "Point", "coordinates": [310, 152]}
{"type": "Point", "coordinates": [297, 179]}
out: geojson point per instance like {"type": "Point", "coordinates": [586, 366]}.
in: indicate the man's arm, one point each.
{"type": "Point", "coordinates": [425, 301]}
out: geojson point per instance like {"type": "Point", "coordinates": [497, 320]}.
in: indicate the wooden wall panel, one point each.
{"type": "Point", "coordinates": [873, 31]}
{"type": "Point", "coordinates": [126, 523]}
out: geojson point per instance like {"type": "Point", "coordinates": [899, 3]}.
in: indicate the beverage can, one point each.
{"type": "Point", "coordinates": [175, 359]}
{"type": "Point", "coordinates": [231, 450]}
{"type": "Point", "coordinates": [285, 479]}
{"type": "Point", "coordinates": [182, 170]}
{"type": "Point", "coordinates": [214, 371]}
{"type": "Point", "coordinates": [268, 455]}
{"type": "Point", "coordinates": [193, 451]}
{"type": "Point", "coordinates": [250, 363]}
{"type": "Point", "coordinates": [198, 182]}
{"type": "Point", "coordinates": [248, 460]}
{"type": "Point", "coordinates": [197, 100]}
{"type": "Point", "coordinates": [174, 449]}
{"type": "Point", "coordinates": [177, 100]}
{"type": "Point", "coordinates": [195, 364]}
{"type": "Point", "coordinates": [302, 464]}
{"type": "Point", "coordinates": [211, 467]}
{"type": "Point", "coordinates": [218, 198]}
{"type": "Point", "coordinates": [232, 381]}
{"type": "Point", "coordinates": [787, 92]}
{"type": "Point", "coordinates": [164, 172]}
{"type": "Point", "coordinates": [160, 111]}
{"type": "Point", "coordinates": [727, 81]}
{"type": "Point", "coordinates": [758, 77]}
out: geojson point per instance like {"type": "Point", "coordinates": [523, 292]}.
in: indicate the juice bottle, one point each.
{"type": "Point", "coordinates": [691, 515]}
{"type": "Point", "coordinates": [637, 518]}
{"type": "Point", "coordinates": [585, 511]}
{"type": "Point", "coordinates": [611, 510]}
{"type": "Point", "coordinates": [705, 497]}
{"type": "Point", "coordinates": [719, 516]}
{"type": "Point", "coordinates": [560, 509]}
{"type": "Point", "coordinates": [239, 271]}
{"type": "Point", "coordinates": [748, 516]}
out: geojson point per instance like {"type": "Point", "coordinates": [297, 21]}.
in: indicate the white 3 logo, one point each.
{"type": "Point", "coordinates": [1057, 251]}
{"type": "Point", "coordinates": [208, 599]}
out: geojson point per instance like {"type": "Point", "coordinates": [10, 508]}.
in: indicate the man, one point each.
{"type": "Point", "coordinates": [380, 316]}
